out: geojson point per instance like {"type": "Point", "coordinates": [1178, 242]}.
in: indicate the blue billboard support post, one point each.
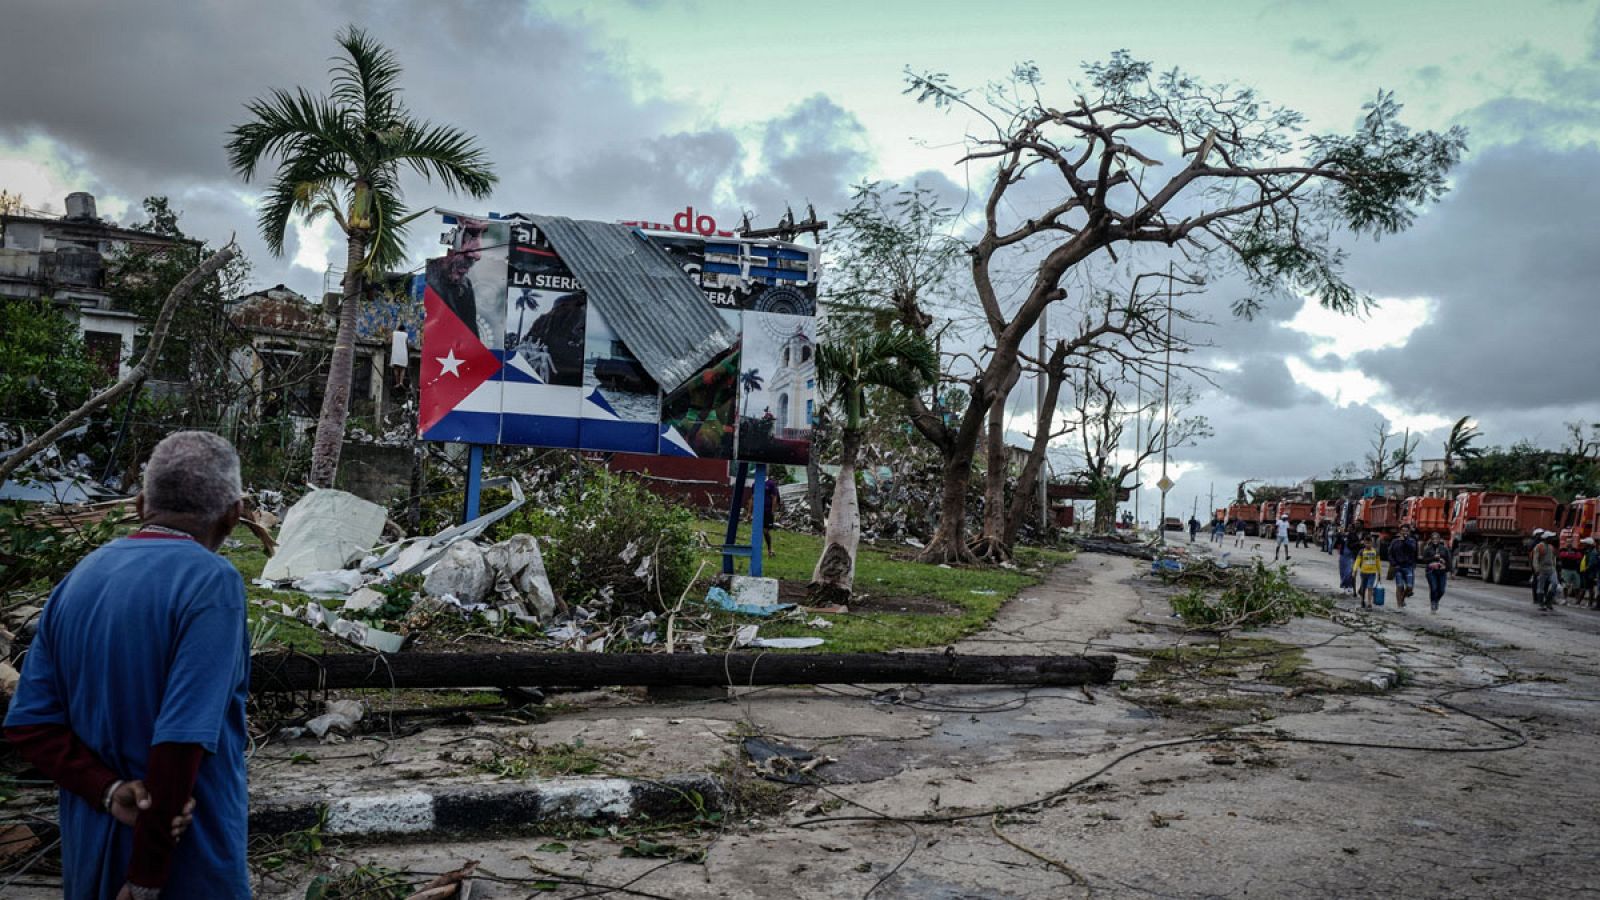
{"type": "Point", "coordinates": [758, 520]}
{"type": "Point", "coordinates": [474, 481]}
{"type": "Point", "coordinates": [735, 508]}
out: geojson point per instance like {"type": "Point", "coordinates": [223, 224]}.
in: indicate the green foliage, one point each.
{"type": "Point", "coordinates": [35, 556]}
{"type": "Point", "coordinates": [609, 543]}
{"type": "Point", "coordinates": [44, 371]}
{"type": "Point", "coordinates": [368, 882]}
{"type": "Point", "coordinates": [200, 339]}
{"type": "Point", "coordinates": [342, 154]}
{"type": "Point", "coordinates": [899, 360]}
{"type": "Point", "coordinates": [1251, 597]}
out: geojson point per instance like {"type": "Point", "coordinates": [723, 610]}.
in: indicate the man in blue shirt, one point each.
{"type": "Point", "coordinates": [139, 672]}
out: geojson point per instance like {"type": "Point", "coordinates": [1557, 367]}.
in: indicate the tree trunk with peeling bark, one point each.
{"type": "Point", "coordinates": [335, 412]}
{"type": "Point", "coordinates": [833, 579]}
{"type": "Point", "coordinates": [991, 545]}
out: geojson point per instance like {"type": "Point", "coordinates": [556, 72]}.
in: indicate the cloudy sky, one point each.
{"type": "Point", "coordinates": [638, 109]}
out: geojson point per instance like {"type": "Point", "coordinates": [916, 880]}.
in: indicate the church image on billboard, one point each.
{"type": "Point", "coordinates": [612, 338]}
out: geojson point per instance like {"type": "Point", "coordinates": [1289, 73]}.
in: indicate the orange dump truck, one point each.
{"type": "Point", "coordinates": [1298, 512]}
{"type": "Point", "coordinates": [1249, 517]}
{"type": "Point", "coordinates": [1426, 515]}
{"type": "Point", "coordinates": [1380, 514]}
{"type": "Point", "coordinates": [1491, 531]}
{"type": "Point", "coordinates": [1581, 519]}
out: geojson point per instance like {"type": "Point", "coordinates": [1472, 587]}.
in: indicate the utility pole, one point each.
{"type": "Point", "coordinates": [1166, 416]}
{"type": "Point", "coordinates": [1138, 447]}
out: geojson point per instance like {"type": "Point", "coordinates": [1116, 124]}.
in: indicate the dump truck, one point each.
{"type": "Point", "coordinates": [1491, 533]}
{"type": "Point", "coordinates": [1580, 519]}
{"type": "Point", "coordinates": [1326, 519]}
{"type": "Point", "coordinates": [1380, 514]}
{"type": "Point", "coordinates": [1249, 517]}
{"type": "Point", "coordinates": [1426, 515]}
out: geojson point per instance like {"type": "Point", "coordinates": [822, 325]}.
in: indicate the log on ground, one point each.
{"type": "Point", "coordinates": [299, 672]}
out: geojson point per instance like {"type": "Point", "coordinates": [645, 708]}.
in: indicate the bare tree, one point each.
{"type": "Point", "coordinates": [1244, 191]}
{"type": "Point", "coordinates": [1101, 420]}
{"type": "Point", "coordinates": [1379, 460]}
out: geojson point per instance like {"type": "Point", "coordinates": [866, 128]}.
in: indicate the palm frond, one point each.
{"type": "Point", "coordinates": [442, 152]}
{"type": "Point", "coordinates": [366, 79]}
{"type": "Point", "coordinates": [285, 126]}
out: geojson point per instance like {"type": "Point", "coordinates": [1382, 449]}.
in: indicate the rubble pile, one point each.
{"type": "Point", "coordinates": [457, 584]}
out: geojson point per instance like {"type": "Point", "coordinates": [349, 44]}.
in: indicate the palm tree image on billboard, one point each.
{"type": "Point", "coordinates": [778, 385]}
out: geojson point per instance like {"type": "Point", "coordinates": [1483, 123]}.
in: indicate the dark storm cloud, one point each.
{"type": "Point", "coordinates": [144, 108]}
{"type": "Point", "coordinates": [1509, 258]}
{"type": "Point", "coordinates": [1262, 382]}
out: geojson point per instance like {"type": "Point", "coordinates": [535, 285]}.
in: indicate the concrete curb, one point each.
{"type": "Point", "coordinates": [479, 809]}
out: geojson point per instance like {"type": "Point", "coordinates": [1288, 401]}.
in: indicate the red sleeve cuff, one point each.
{"type": "Point", "coordinates": [170, 780]}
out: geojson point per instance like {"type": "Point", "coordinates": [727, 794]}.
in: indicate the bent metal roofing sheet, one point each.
{"type": "Point", "coordinates": [660, 314]}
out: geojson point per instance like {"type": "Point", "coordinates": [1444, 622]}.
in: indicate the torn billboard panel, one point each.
{"type": "Point", "coordinates": [614, 339]}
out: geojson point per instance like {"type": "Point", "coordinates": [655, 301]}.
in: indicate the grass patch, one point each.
{"type": "Point", "coordinates": [288, 633]}
{"type": "Point", "coordinates": [969, 596]}
{"type": "Point", "coordinates": [883, 574]}
{"type": "Point", "coordinates": [1225, 659]}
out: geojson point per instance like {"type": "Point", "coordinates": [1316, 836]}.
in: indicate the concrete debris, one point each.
{"type": "Point", "coordinates": [721, 598]}
{"type": "Point", "coordinates": [325, 530]}
{"type": "Point", "coordinates": [520, 575]}
{"type": "Point", "coordinates": [751, 591]}
{"type": "Point", "coordinates": [370, 636]}
{"type": "Point", "coordinates": [8, 680]}
{"type": "Point", "coordinates": [463, 573]}
{"type": "Point", "coordinates": [363, 600]}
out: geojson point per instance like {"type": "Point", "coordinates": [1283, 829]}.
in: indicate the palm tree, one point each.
{"type": "Point", "coordinates": [901, 361]}
{"type": "Point", "coordinates": [527, 302]}
{"type": "Point", "coordinates": [342, 155]}
{"type": "Point", "coordinates": [750, 380]}
{"type": "Point", "coordinates": [1459, 444]}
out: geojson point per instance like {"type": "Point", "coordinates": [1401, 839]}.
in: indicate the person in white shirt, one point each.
{"type": "Point", "coordinates": [1283, 539]}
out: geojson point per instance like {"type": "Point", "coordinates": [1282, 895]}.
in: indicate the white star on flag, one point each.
{"type": "Point", "coordinates": [451, 365]}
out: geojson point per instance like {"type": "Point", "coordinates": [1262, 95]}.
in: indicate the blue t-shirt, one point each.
{"type": "Point", "coordinates": [144, 642]}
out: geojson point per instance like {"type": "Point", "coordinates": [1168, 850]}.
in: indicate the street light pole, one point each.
{"type": "Point", "coordinates": [1166, 416]}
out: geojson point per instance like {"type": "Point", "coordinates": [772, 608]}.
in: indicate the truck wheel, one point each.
{"type": "Point", "coordinates": [1497, 568]}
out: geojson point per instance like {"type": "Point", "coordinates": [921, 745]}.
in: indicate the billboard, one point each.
{"type": "Point", "coordinates": [546, 366]}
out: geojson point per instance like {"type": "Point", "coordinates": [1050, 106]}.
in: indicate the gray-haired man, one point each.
{"type": "Point", "coordinates": [138, 673]}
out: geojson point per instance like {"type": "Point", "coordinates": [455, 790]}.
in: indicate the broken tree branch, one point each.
{"type": "Point", "coordinates": [137, 374]}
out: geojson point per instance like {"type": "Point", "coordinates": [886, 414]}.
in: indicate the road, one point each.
{"type": "Point", "coordinates": [1493, 612]}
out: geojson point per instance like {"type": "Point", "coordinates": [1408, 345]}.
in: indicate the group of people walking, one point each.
{"type": "Point", "coordinates": [1360, 565]}
{"type": "Point", "coordinates": [1559, 575]}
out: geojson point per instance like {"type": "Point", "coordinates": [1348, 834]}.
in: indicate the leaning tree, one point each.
{"type": "Point", "coordinates": [342, 155]}
{"type": "Point", "coordinates": [1160, 159]}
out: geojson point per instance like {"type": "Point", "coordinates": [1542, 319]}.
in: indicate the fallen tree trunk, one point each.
{"type": "Point", "coordinates": [299, 672]}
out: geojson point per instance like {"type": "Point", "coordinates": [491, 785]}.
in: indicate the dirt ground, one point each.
{"type": "Point", "coordinates": [1396, 753]}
